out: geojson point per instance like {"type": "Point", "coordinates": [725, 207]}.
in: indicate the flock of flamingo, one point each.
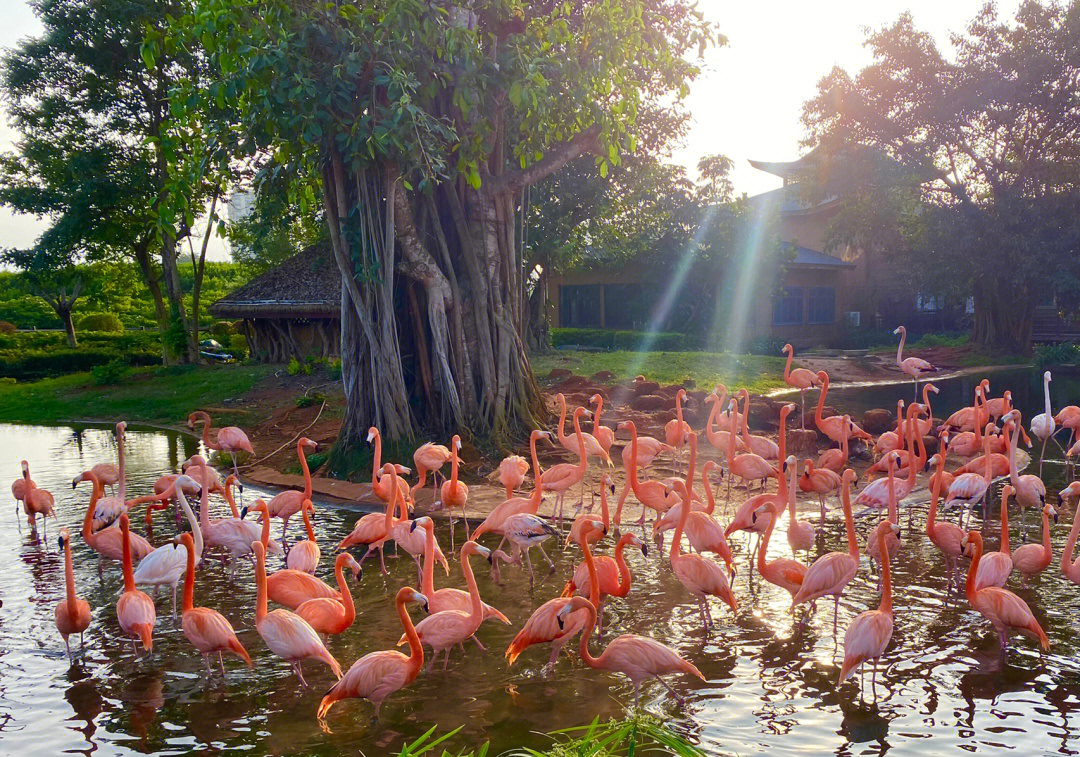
{"type": "Point", "coordinates": [311, 611]}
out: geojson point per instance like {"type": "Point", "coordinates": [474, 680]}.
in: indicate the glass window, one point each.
{"type": "Point", "coordinates": [821, 304]}
{"type": "Point", "coordinates": [788, 307]}
{"type": "Point", "coordinates": [625, 307]}
{"type": "Point", "coordinates": [579, 306]}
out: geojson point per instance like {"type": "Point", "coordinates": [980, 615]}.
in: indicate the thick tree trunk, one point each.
{"type": "Point", "coordinates": [170, 273]}
{"type": "Point", "coordinates": [69, 326]}
{"type": "Point", "coordinates": [153, 283]}
{"type": "Point", "coordinates": [1004, 317]}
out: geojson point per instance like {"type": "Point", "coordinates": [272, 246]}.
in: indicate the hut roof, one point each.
{"type": "Point", "coordinates": [307, 285]}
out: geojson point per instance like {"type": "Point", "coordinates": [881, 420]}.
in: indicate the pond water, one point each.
{"type": "Point", "coordinates": [768, 691]}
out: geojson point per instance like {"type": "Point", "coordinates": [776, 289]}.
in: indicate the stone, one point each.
{"type": "Point", "coordinates": [650, 402]}
{"type": "Point", "coordinates": [645, 387]}
{"type": "Point", "coordinates": [801, 442]}
{"type": "Point", "coordinates": [931, 443]}
{"type": "Point", "coordinates": [764, 413]}
{"type": "Point", "coordinates": [558, 373]}
{"type": "Point", "coordinates": [603, 376]}
{"type": "Point", "coordinates": [878, 421]}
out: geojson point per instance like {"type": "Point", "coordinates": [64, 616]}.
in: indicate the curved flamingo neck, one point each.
{"type": "Point", "coordinates": [563, 438]}
{"type": "Point", "coordinates": [307, 523]}
{"type": "Point", "coordinates": [204, 503]}
{"type": "Point", "coordinates": [935, 494]}
{"type": "Point", "coordinates": [900, 348]}
{"type": "Point", "coordinates": [710, 500]}
{"type": "Point", "coordinates": [416, 651]}
{"type": "Point", "coordinates": [95, 495]}
{"type": "Point", "coordinates": [260, 585]}
{"type": "Point", "coordinates": [886, 577]}
{"type": "Point", "coordinates": [678, 409]}
{"type": "Point", "coordinates": [605, 513]}
{"type": "Point", "coordinates": [765, 537]}
{"type": "Point", "coordinates": [264, 536]}
{"type": "Point", "coordinates": [600, 408]}
{"type": "Point", "coordinates": [229, 498]}
{"type": "Point", "coordinates": [346, 595]}
{"type": "Point", "coordinates": [590, 565]}
{"type": "Point", "coordinates": [1004, 524]}
{"type": "Point", "coordinates": [121, 487]}
{"type": "Point", "coordinates": [391, 505]}
{"type": "Point", "coordinates": [969, 588]}
{"type": "Point", "coordinates": [307, 472]}
{"type": "Point", "coordinates": [582, 462]}
{"type": "Point", "coordinates": [196, 530]}
{"type": "Point", "coordinates": [821, 400]}
{"type": "Point", "coordinates": [189, 579]}
{"type": "Point", "coordinates": [676, 539]}
{"type": "Point", "coordinates": [787, 365]}
{"type": "Point", "coordinates": [427, 580]}
{"type": "Point", "coordinates": [926, 401]}
{"type": "Point", "coordinates": [624, 569]}
{"type": "Point", "coordinates": [69, 575]}
{"type": "Point", "coordinates": [376, 462]}
{"type": "Point", "coordinates": [1070, 543]}
{"type": "Point", "coordinates": [583, 645]}
{"type": "Point", "coordinates": [1014, 473]}
{"type": "Point", "coordinates": [1047, 548]}
{"type": "Point", "coordinates": [849, 521]}
{"type": "Point", "coordinates": [125, 556]}
{"type": "Point", "coordinates": [204, 418]}
{"type": "Point", "coordinates": [712, 434]}
{"type": "Point", "coordinates": [476, 606]}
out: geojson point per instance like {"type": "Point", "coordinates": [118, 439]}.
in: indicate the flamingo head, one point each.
{"type": "Point", "coordinates": [791, 460]}
{"type": "Point", "coordinates": [63, 537]}
{"type": "Point", "coordinates": [423, 522]}
{"type": "Point", "coordinates": [596, 399]}
{"type": "Point", "coordinates": [787, 348]}
{"type": "Point", "coordinates": [1046, 376]}
{"type": "Point", "coordinates": [605, 480]}
{"type": "Point", "coordinates": [25, 469]}
{"type": "Point", "coordinates": [309, 443]}
{"type": "Point", "coordinates": [457, 443]}
{"type": "Point", "coordinates": [121, 427]}
{"type": "Point", "coordinates": [899, 330]}
{"type": "Point", "coordinates": [763, 514]}
{"type": "Point", "coordinates": [626, 426]}
{"type": "Point", "coordinates": [351, 563]}
{"type": "Point", "coordinates": [823, 377]}
{"type": "Point", "coordinates": [1072, 491]}
{"type": "Point", "coordinates": [576, 603]}
{"type": "Point", "coordinates": [711, 398]}
{"type": "Point", "coordinates": [412, 595]}
{"type": "Point", "coordinates": [187, 482]}
{"type": "Point", "coordinates": [372, 434]}
{"type": "Point", "coordinates": [1050, 512]}
{"type": "Point", "coordinates": [934, 461]}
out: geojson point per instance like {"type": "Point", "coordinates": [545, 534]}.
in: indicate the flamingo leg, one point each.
{"type": "Point", "coordinates": [221, 662]}
{"type": "Point", "coordinates": [528, 562]}
{"type": "Point", "coordinates": [549, 562]}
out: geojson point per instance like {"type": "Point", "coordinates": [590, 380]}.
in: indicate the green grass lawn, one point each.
{"type": "Point", "coordinates": [153, 395]}
{"type": "Point", "coordinates": [755, 372]}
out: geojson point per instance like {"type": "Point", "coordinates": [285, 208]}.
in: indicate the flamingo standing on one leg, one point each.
{"type": "Point", "coordinates": [1043, 425]}
{"type": "Point", "coordinates": [206, 629]}
{"type": "Point", "coordinates": [1005, 611]}
{"type": "Point", "coordinates": [830, 574]}
{"type": "Point", "coordinates": [995, 567]}
{"type": "Point", "coordinates": [72, 613]}
{"type": "Point", "coordinates": [428, 458]}
{"type": "Point", "coordinates": [512, 470]}
{"type": "Point", "coordinates": [288, 503]}
{"type": "Point", "coordinates": [455, 493]}
{"type": "Point", "coordinates": [799, 378]}
{"type": "Point", "coordinates": [286, 634]}
{"type": "Point", "coordinates": [676, 429]}
{"type": "Point", "coordinates": [229, 439]}
{"type": "Point", "coordinates": [134, 610]}
{"type": "Point", "coordinates": [912, 366]}
{"type": "Point", "coordinates": [871, 631]}
{"type": "Point", "coordinates": [36, 501]}
{"type": "Point", "coordinates": [377, 675]}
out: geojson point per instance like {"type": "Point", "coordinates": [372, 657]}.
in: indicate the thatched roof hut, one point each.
{"type": "Point", "coordinates": [292, 310]}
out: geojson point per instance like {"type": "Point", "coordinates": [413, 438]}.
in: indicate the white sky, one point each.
{"type": "Point", "coordinates": [746, 105]}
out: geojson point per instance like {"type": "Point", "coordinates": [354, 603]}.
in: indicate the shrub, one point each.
{"type": "Point", "coordinates": [221, 330]}
{"type": "Point", "coordinates": [238, 346]}
{"type": "Point", "coordinates": [766, 345]}
{"type": "Point", "coordinates": [333, 369]}
{"type": "Point", "coordinates": [941, 339]}
{"type": "Point", "coordinates": [1065, 353]}
{"type": "Point", "coordinates": [610, 340]}
{"type": "Point", "coordinates": [295, 367]}
{"type": "Point", "coordinates": [308, 400]}
{"type": "Point", "coordinates": [865, 339]}
{"type": "Point", "coordinates": [7, 327]}
{"type": "Point", "coordinates": [108, 322]}
{"type": "Point", "coordinates": [110, 373]}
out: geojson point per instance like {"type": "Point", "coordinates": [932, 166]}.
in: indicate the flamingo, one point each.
{"type": "Point", "coordinates": [718, 438]}
{"type": "Point", "coordinates": [373, 529]}
{"type": "Point", "coordinates": [380, 481]}
{"type": "Point", "coordinates": [107, 542]}
{"type": "Point", "coordinates": [19, 485]}
{"type": "Point", "coordinates": [1068, 417]}
{"type": "Point", "coordinates": [651, 494]}
{"type": "Point", "coordinates": [783, 572]}
{"type": "Point", "coordinates": [605, 514]}
{"type": "Point", "coordinates": [206, 629]}
{"type": "Point", "coordinates": [902, 457]}
{"type": "Point", "coordinates": [923, 426]}
{"type": "Point", "coordinates": [512, 472]}
{"type": "Point", "coordinates": [546, 625]}
{"type": "Point", "coordinates": [996, 406]}
{"type": "Point", "coordinates": [72, 612]}
{"type": "Point", "coordinates": [1070, 568]}
{"type": "Point", "coordinates": [748, 466]}
{"type": "Point", "coordinates": [329, 616]}
{"type": "Point", "coordinates": [702, 530]}
{"type": "Point", "coordinates": [305, 554]}
{"type": "Point", "coordinates": [562, 477]}
{"type": "Point", "coordinates": [445, 599]}
{"type": "Point", "coordinates": [134, 609]}
{"type": "Point", "coordinates": [970, 488]}
{"type": "Point", "coordinates": [912, 366]}
{"type": "Point", "coordinates": [455, 493]}
{"type": "Point", "coordinates": [834, 426]}
{"type": "Point", "coordinates": [890, 440]}
{"type": "Point", "coordinates": [592, 446]}
{"type": "Point", "coordinates": [698, 574]}
{"type": "Point", "coordinates": [821, 481]}
{"type": "Point", "coordinates": [1005, 611]}
{"type": "Point", "coordinates": [428, 458]}
{"type": "Point", "coordinates": [229, 439]}
{"type": "Point", "coordinates": [443, 630]}
{"type": "Point", "coordinates": [109, 508]}
{"type": "Point", "coordinates": [637, 657]}
{"type": "Point", "coordinates": [1032, 559]}
{"type": "Point", "coordinates": [876, 494]}
{"type": "Point", "coordinates": [801, 534]}
{"type": "Point", "coordinates": [1030, 490]}
{"type": "Point", "coordinates": [871, 631]}
{"type": "Point", "coordinates": [759, 445]}
{"type": "Point", "coordinates": [36, 501]}
{"type": "Point", "coordinates": [165, 565]}
{"type": "Point", "coordinates": [108, 474]}
{"type": "Point", "coordinates": [285, 633]}
{"type": "Point", "coordinates": [613, 573]}
{"type": "Point", "coordinates": [605, 435]}
{"type": "Point", "coordinates": [799, 378]}
{"type": "Point", "coordinates": [675, 432]}
{"type": "Point", "coordinates": [835, 459]}
{"type": "Point", "coordinates": [234, 535]}
{"type": "Point", "coordinates": [405, 536]}
{"type": "Point", "coordinates": [968, 418]}
{"type": "Point", "coordinates": [288, 503]}
{"type": "Point", "coordinates": [944, 535]}
{"type": "Point", "coordinates": [494, 521]}
{"type": "Point", "coordinates": [1043, 425]}
{"type": "Point", "coordinates": [886, 532]}
{"type": "Point", "coordinates": [995, 567]}
{"type": "Point", "coordinates": [830, 574]}
{"type": "Point", "coordinates": [377, 675]}
{"type": "Point", "coordinates": [525, 531]}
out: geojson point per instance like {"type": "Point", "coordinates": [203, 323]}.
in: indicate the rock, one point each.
{"type": "Point", "coordinates": [931, 443]}
{"type": "Point", "coordinates": [696, 397]}
{"type": "Point", "coordinates": [558, 373]}
{"type": "Point", "coordinates": [645, 387]}
{"type": "Point", "coordinates": [603, 376]}
{"type": "Point", "coordinates": [573, 383]}
{"type": "Point", "coordinates": [650, 402]}
{"type": "Point", "coordinates": [764, 413]}
{"type": "Point", "coordinates": [695, 415]}
{"type": "Point", "coordinates": [878, 421]}
{"type": "Point", "coordinates": [801, 442]}
{"type": "Point", "coordinates": [618, 395]}
{"type": "Point", "coordinates": [689, 383]}
{"type": "Point", "coordinates": [670, 390]}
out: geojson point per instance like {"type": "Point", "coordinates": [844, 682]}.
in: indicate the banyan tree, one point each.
{"type": "Point", "coordinates": [419, 127]}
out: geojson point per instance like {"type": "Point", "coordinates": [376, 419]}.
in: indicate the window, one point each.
{"type": "Point", "coordinates": [821, 304]}
{"type": "Point", "coordinates": [625, 307]}
{"type": "Point", "coordinates": [928, 303]}
{"type": "Point", "coordinates": [788, 307]}
{"type": "Point", "coordinates": [579, 306]}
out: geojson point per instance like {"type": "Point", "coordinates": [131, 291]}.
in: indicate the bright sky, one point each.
{"type": "Point", "coordinates": [748, 102]}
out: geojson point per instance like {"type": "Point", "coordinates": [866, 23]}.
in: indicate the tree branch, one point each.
{"type": "Point", "coordinates": [515, 181]}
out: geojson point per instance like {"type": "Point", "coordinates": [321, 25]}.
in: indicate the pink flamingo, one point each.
{"type": "Point", "coordinates": [562, 477]}
{"type": "Point", "coordinates": [876, 494]}
{"type": "Point", "coordinates": [912, 366]}
{"type": "Point", "coordinates": [923, 426]}
{"type": "Point", "coordinates": [494, 521]}
{"type": "Point", "coordinates": [801, 534]}
{"type": "Point", "coordinates": [820, 481]}
{"type": "Point", "coordinates": [748, 466]}
{"type": "Point", "coordinates": [512, 472]}
{"type": "Point", "coordinates": [1069, 417]}
{"type": "Point", "coordinates": [605, 435]}
{"type": "Point", "coordinates": [36, 501]}
{"type": "Point", "coordinates": [970, 488]}
{"type": "Point", "coordinates": [637, 657]}
{"type": "Point", "coordinates": [743, 519]}
{"type": "Point", "coordinates": [902, 457]}
{"type": "Point", "coordinates": [698, 574]}
{"type": "Point", "coordinates": [830, 574]}
{"type": "Point", "coordinates": [525, 531]}
{"type": "Point", "coordinates": [871, 631]}
{"type": "Point", "coordinates": [613, 573]}
{"type": "Point", "coordinates": [592, 446]}
{"type": "Point", "coordinates": [288, 503]}
{"type": "Point", "coordinates": [305, 554]}
{"type": "Point", "coordinates": [719, 437]}
{"type": "Point", "coordinates": [676, 429]}
{"type": "Point", "coordinates": [377, 675]}
{"type": "Point", "coordinates": [107, 473]}
{"type": "Point", "coordinates": [380, 481]}
{"type": "Point", "coordinates": [1032, 559]}
{"type": "Point", "coordinates": [406, 537]}
{"type": "Point", "coordinates": [1030, 490]}
{"type": "Point", "coordinates": [890, 440]}
{"type": "Point", "coordinates": [1070, 568]}
{"type": "Point", "coordinates": [455, 493]}
{"type": "Point", "coordinates": [373, 530]}
{"type": "Point", "coordinates": [72, 612]}
{"type": "Point", "coordinates": [887, 530]}
{"type": "Point", "coordinates": [995, 567]}
{"type": "Point", "coordinates": [206, 629]}
{"type": "Point", "coordinates": [651, 494]}
{"type": "Point", "coordinates": [702, 530]}
{"type": "Point", "coordinates": [799, 378]}
{"type": "Point", "coordinates": [944, 535]}
{"type": "Point", "coordinates": [229, 439]}
{"type": "Point", "coordinates": [759, 445]}
{"type": "Point", "coordinates": [428, 458]}
{"type": "Point", "coordinates": [834, 426]}
{"type": "Point", "coordinates": [165, 565]}
{"type": "Point", "coordinates": [107, 542]}
{"type": "Point", "coordinates": [445, 599]}
{"type": "Point", "coordinates": [997, 406]}
{"type": "Point", "coordinates": [285, 633]}
{"type": "Point", "coordinates": [583, 519]}
{"type": "Point", "coordinates": [783, 572]}
{"type": "Point", "coordinates": [134, 610]}
{"type": "Point", "coordinates": [1005, 611]}
{"type": "Point", "coordinates": [545, 624]}
{"type": "Point", "coordinates": [835, 459]}
{"type": "Point", "coordinates": [969, 443]}
{"type": "Point", "coordinates": [329, 616]}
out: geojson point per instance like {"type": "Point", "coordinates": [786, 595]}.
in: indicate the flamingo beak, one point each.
{"type": "Point", "coordinates": [559, 619]}
{"type": "Point", "coordinates": [61, 542]}
{"type": "Point", "coordinates": [644, 549]}
{"type": "Point", "coordinates": [243, 513]}
{"type": "Point", "coordinates": [412, 526]}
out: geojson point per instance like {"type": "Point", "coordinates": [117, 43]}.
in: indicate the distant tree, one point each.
{"type": "Point", "coordinates": [54, 279]}
{"type": "Point", "coordinates": [714, 183]}
{"type": "Point", "coordinates": [92, 149]}
{"type": "Point", "coordinates": [992, 137]}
